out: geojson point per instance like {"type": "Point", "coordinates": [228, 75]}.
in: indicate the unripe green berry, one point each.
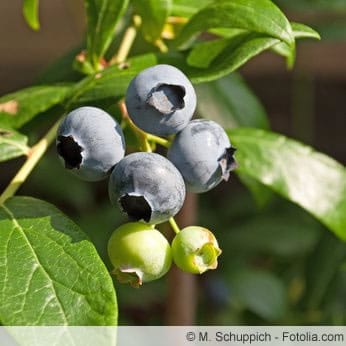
{"type": "Point", "coordinates": [195, 250]}
{"type": "Point", "coordinates": [139, 253]}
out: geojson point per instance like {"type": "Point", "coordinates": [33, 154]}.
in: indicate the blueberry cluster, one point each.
{"type": "Point", "coordinates": [146, 186]}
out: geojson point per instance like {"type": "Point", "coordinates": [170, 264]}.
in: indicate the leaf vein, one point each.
{"type": "Point", "coordinates": [19, 227]}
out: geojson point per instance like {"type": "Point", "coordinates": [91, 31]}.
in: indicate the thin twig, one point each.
{"type": "Point", "coordinates": [127, 42]}
{"type": "Point", "coordinates": [36, 152]}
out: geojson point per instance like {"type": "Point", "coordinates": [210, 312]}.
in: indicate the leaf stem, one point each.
{"type": "Point", "coordinates": [127, 42]}
{"type": "Point", "coordinates": [35, 154]}
{"type": "Point", "coordinates": [174, 225]}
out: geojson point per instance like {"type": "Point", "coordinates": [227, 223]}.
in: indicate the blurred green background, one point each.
{"type": "Point", "coordinates": [279, 265]}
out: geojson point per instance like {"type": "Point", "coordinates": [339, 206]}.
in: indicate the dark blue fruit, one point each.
{"type": "Point", "coordinates": [90, 142]}
{"type": "Point", "coordinates": [203, 155]}
{"type": "Point", "coordinates": [147, 187]}
{"type": "Point", "coordinates": [161, 100]}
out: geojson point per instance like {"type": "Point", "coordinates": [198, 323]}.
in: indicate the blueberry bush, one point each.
{"type": "Point", "coordinates": [130, 92]}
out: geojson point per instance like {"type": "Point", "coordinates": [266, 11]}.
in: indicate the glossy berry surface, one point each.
{"type": "Point", "coordinates": [147, 187]}
{"type": "Point", "coordinates": [195, 250]}
{"type": "Point", "coordinates": [90, 142]}
{"type": "Point", "coordinates": [139, 253]}
{"type": "Point", "coordinates": [203, 154]}
{"type": "Point", "coordinates": [161, 100]}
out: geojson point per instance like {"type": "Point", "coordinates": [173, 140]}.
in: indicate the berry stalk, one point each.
{"type": "Point", "coordinates": [174, 225]}
{"type": "Point", "coordinates": [142, 136]}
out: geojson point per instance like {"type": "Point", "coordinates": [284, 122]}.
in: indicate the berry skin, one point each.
{"type": "Point", "coordinates": [90, 142]}
{"type": "Point", "coordinates": [139, 253]}
{"type": "Point", "coordinates": [147, 187]}
{"type": "Point", "coordinates": [195, 250]}
{"type": "Point", "coordinates": [161, 100]}
{"type": "Point", "coordinates": [203, 154]}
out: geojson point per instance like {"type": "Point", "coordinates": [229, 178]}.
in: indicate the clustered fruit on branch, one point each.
{"type": "Point", "coordinates": [146, 186]}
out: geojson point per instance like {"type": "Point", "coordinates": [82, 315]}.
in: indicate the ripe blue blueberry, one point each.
{"type": "Point", "coordinates": [147, 187]}
{"type": "Point", "coordinates": [90, 142]}
{"type": "Point", "coordinates": [161, 100]}
{"type": "Point", "coordinates": [203, 154]}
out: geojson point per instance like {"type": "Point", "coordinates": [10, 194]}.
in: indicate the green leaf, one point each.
{"type": "Point", "coordinates": [312, 180]}
{"type": "Point", "coordinates": [299, 31]}
{"type": "Point", "coordinates": [154, 14]}
{"type": "Point", "coordinates": [30, 12]}
{"type": "Point", "coordinates": [113, 81]}
{"type": "Point", "coordinates": [102, 18]}
{"type": "Point", "coordinates": [282, 233]}
{"type": "Point", "coordinates": [204, 53]}
{"type": "Point", "coordinates": [259, 16]}
{"type": "Point", "coordinates": [12, 144]}
{"type": "Point", "coordinates": [322, 266]}
{"type": "Point", "coordinates": [231, 102]}
{"type": "Point", "coordinates": [18, 108]}
{"type": "Point", "coordinates": [261, 194]}
{"type": "Point", "coordinates": [183, 8]}
{"type": "Point", "coordinates": [238, 51]}
{"type": "Point", "coordinates": [304, 31]}
{"type": "Point", "coordinates": [259, 291]}
{"type": "Point", "coordinates": [199, 54]}
{"type": "Point", "coordinates": [50, 273]}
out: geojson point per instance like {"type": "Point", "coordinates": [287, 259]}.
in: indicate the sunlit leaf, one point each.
{"type": "Point", "coordinates": [310, 179]}
{"type": "Point", "coordinates": [50, 273]}
{"type": "Point", "coordinates": [30, 12]}
{"type": "Point", "coordinates": [12, 144]}
{"type": "Point", "coordinates": [154, 14]}
{"type": "Point", "coordinates": [259, 291]}
{"type": "Point", "coordinates": [256, 16]}
{"type": "Point", "coordinates": [18, 108]}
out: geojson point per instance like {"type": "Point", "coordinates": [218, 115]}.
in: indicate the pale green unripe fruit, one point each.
{"type": "Point", "coordinates": [195, 250]}
{"type": "Point", "coordinates": [139, 253]}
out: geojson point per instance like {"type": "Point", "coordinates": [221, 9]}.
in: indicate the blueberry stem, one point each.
{"type": "Point", "coordinates": [127, 41]}
{"type": "Point", "coordinates": [159, 140]}
{"type": "Point", "coordinates": [142, 136]}
{"type": "Point", "coordinates": [174, 225]}
{"type": "Point", "coordinates": [34, 156]}
{"type": "Point", "coordinates": [146, 145]}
